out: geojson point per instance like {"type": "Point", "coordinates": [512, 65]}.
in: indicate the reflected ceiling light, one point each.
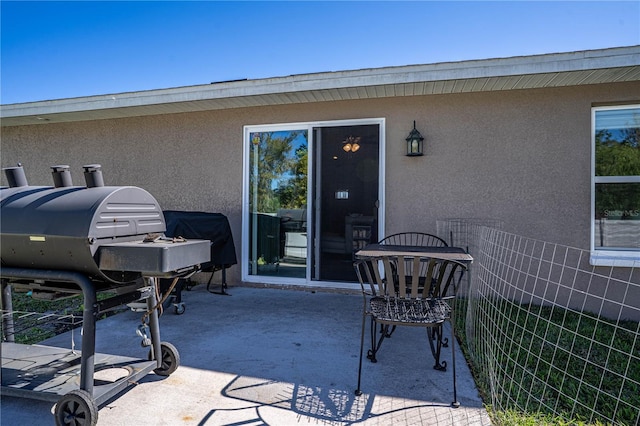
{"type": "Point", "coordinates": [351, 144]}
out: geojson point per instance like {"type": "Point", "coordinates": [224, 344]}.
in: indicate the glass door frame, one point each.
{"type": "Point", "coordinates": [309, 127]}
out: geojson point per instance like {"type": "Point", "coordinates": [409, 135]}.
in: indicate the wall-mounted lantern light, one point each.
{"type": "Point", "coordinates": [414, 142]}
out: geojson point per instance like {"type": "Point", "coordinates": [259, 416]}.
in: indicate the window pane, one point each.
{"type": "Point", "coordinates": [617, 215]}
{"type": "Point", "coordinates": [277, 203]}
{"type": "Point", "coordinates": [617, 142]}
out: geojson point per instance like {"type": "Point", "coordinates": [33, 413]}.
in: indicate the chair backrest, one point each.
{"type": "Point", "coordinates": [414, 239]}
{"type": "Point", "coordinates": [408, 277]}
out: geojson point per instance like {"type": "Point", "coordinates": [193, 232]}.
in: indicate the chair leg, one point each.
{"type": "Point", "coordinates": [455, 403]}
{"type": "Point", "coordinates": [358, 391]}
{"type": "Point", "coordinates": [375, 345]}
{"type": "Point", "coordinates": [435, 333]}
{"type": "Point", "coordinates": [371, 353]}
{"type": "Point", "coordinates": [389, 333]}
{"type": "Point", "coordinates": [373, 327]}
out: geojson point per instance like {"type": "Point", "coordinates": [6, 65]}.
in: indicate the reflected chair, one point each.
{"type": "Point", "coordinates": [418, 239]}
{"type": "Point", "coordinates": [395, 294]}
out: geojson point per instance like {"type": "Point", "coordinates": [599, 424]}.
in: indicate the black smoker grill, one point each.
{"type": "Point", "coordinates": [65, 240]}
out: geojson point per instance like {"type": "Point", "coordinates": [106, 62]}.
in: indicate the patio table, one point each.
{"type": "Point", "coordinates": [444, 253]}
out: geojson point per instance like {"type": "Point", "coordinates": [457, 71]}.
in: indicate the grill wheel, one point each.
{"type": "Point", "coordinates": [170, 359]}
{"type": "Point", "coordinates": [76, 408]}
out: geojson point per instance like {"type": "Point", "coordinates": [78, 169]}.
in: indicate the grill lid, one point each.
{"type": "Point", "coordinates": [65, 228]}
{"type": "Point", "coordinates": [94, 213]}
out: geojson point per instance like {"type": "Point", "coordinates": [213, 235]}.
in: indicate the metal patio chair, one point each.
{"type": "Point", "coordinates": [395, 294]}
{"type": "Point", "coordinates": [413, 239]}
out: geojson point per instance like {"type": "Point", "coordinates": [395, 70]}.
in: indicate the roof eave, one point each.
{"type": "Point", "coordinates": [539, 71]}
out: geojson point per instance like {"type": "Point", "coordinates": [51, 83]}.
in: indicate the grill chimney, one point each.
{"type": "Point", "coordinates": [93, 175]}
{"type": "Point", "coordinates": [61, 176]}
{"type": "Point", "coordinates": [16, 176]}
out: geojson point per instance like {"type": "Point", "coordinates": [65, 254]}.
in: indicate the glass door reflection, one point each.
{"type": "Point", "coordinates": [278, 203]}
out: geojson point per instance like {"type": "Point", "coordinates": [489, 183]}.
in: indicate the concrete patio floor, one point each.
{"type": "Point", "coordinates": [265, 356]}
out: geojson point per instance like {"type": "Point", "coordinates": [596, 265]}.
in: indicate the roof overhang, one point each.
{"type": "Point", "coordinates": [525, 72]}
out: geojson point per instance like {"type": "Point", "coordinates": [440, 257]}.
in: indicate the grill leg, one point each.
{"type": "Point", "coordinates": [89, 317]}
{"type": "Point", "coordinates": [89, 314]}
{"type": "Point", "coordinates": [154, 323]}
{"type": "Point", "coordinates": [223, 284]}
{"type": "Point", "coordinates": [7, 318]}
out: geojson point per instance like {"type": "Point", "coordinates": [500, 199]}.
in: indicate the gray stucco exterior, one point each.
{"type": "Point", "coordinates": [521, 155]}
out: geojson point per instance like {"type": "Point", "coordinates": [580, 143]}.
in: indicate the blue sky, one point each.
{"type": "Point", "coordinates": [54, 50]}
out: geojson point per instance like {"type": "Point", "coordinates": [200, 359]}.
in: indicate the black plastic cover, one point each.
{"type": "Point", "coordinates": [202, 225]}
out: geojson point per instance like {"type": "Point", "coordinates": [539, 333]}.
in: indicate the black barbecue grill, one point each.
{"type": "Point", "coordinates": [64, 240]}
{"type": "Point", "coordinates": [207, 226]}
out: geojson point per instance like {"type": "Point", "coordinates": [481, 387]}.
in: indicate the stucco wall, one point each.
{"type": "Point", "coordinates": [519, 156]}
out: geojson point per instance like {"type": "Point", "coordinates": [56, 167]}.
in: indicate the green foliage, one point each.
{"type": "Point", "coordinates": [618, 156]}
{"type": "Point", "coordinates": [516, 418]}
{"type": "Point", "coordinates": [281, 179]}
{"type": "Point", "coordinates": [556, 366]}
{"type": "Point", "coordinates": [617, 200]}
{"type": "Point", "coordinates": [293, 195]}
{"type": "Point", "coordinates": [51, 317]}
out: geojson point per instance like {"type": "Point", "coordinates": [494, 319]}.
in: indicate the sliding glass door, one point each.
{"type": "Point", "coordinates": [312, 196]}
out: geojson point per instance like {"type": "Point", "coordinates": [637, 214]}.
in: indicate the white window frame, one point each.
{"type": "Point", "coordinates": [602, 256]}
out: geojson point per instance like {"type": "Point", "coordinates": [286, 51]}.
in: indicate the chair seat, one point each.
{"type": "Point", "coordinates": [415, 312]}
